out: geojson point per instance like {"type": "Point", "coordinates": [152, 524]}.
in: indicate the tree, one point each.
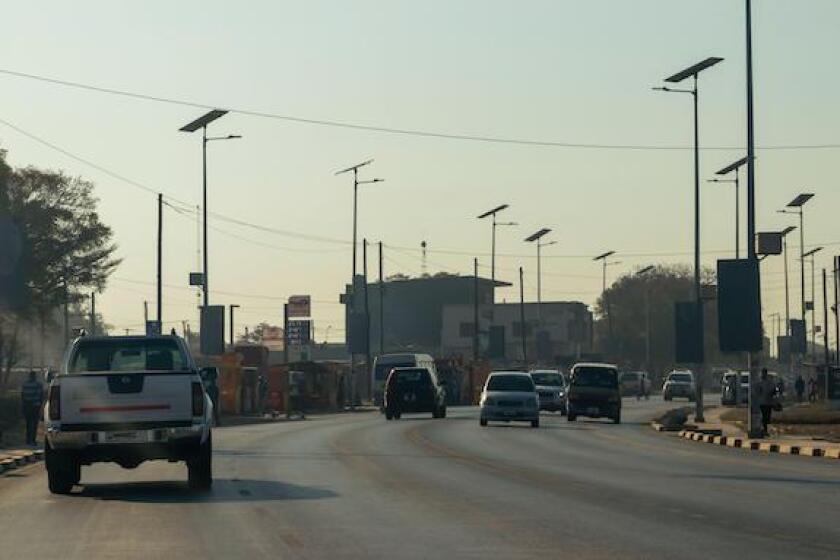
{"type": "Point", "coordinates": [626, 301]}
{"type": "Point", "coordinates": [65, 249]}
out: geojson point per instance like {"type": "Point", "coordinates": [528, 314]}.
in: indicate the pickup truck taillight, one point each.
{"type": "Point", "coordinates": [197, 399]}
{"type": "Point", "coordinates": [55, 402]}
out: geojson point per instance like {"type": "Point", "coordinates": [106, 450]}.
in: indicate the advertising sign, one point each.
{"type": "Point", "coordinates": [300, 306]}
{"type": "Point", "coordinates": [300, 332]}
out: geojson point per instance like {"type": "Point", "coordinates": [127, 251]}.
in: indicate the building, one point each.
{"type": "Point", "coordinates": [411, 311]}
{"type": "Point", "coordinates": [435, 315]}
{"type": "Point", "coordinates": [555, 332]}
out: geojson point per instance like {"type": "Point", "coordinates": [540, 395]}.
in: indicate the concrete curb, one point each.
{"type": "Point", "coordinates": [13, 459]}
{"type": "Point", "coordinates": [758, 445]}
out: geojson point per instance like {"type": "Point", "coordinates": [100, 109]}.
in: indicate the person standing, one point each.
{"type": "Point", "coordinates": [799, 385]}
{"type": "Point", "coordinates": [31, 400]}
{"type": "Point", "coordinates": [766, 393]}
{"type": "Point", "coordinates": [812, 390]}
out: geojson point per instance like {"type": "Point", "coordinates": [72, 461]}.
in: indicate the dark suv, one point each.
{"type": "Point", "coordinates": [410, 389]}
{"type": "Point", "coordinates": [594, 391]}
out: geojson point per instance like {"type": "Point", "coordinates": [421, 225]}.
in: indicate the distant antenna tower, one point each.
{"type": "Point", "coordinates": [423, 266]}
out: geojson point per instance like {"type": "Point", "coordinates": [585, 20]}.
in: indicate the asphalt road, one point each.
{"type": "Point", "coordinates": [356, 486]}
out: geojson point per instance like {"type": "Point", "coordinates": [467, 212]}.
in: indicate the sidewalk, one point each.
{"type": "Point", "coordinates": [717, 432]}
{"type": "Point", "coordinates": [11, 459]}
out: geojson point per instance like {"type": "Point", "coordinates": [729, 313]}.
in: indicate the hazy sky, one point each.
{"type": "Point", "coordinates": [562, 70]}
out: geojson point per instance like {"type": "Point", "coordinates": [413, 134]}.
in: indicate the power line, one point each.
{"type": "Point", "coordinates": [397, 131]}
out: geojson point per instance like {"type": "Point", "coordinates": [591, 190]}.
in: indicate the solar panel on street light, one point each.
{"type": "Point", "coordinates": [493, 211]}
{"type": "Point", "coordinates": [693, 70]}
{"type": "Point", "coordinates": [604, 256]}
{"type": "Point", "coordinates": [537, 235]}
{"type": "Point", "coordinates": [732, 167]}
{"type": "Point", "coordinates": [352, 167]}
{"type": "Point", "coordinates": [787, 230]}
{"type": "Point", "coordinates": [812, 251]}
{"type": "Point", "coordinates": [203, 120]}
{"type": "Point", "coordinates": [646, 269]}
{"type": "Point", "coordinates": [800, 200]}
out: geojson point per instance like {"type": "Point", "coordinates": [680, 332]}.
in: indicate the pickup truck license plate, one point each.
{"type": "Point", "coordinates": [124, 437]}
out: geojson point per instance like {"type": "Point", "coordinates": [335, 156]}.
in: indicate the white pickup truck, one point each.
{"type": "Point", "coordinates": [127, 399]}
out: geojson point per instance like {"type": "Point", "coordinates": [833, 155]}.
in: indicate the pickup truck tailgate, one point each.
{"type": "Point", "coordinates": [126, 398]}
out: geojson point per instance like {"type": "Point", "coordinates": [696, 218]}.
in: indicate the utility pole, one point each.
{"type": "Point", "coordinates": [160, 264]}
{"type": "Point", "coordinates": [475, 311]}
{"type": "Point", "coordinates": [285, 333]}
{"type": "Point", "coordinates": [93, 313]}
{"type": "Point", "coordinates": [826, 350]}
{"type": "Point", "coordinates": [232, 307]}
{"type": "Point", "coordinates": [66, 311]}
{"type": "Point", "coordinates": [381, 303]}
{"type": "Point", "coordinates": [145, 316]}
{"type": "Point", "coordinates": [522, 317]}
{"type": "Point", "coordinates": [836, 311]}
{"type": "Point", "coordinates": [368, 365]}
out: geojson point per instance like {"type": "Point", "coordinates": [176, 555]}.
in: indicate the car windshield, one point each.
{"type": "Point", "coordinates": [594, 377]}
{"type": "Point", "coordinates": [548, 379]}
{"type": "Point", "coordinates": [503, 383]}
{"type": "Point", "coordinates": [680, 377]}
{"type": "Point", "coordinates": [127, 355]}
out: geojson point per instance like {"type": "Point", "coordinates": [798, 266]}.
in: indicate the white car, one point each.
{"type": "Point", "coordinates": [509, 396]}
{"type": "Point", "coordinates": [127, 399]}
{"type": "Point", "coordinates": [679, 383]}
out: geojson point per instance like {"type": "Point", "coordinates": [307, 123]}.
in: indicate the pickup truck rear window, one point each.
{"type": "Point", "coordinates": [595, 377]}
{"type": "Point", "coordinates": [127, 355]}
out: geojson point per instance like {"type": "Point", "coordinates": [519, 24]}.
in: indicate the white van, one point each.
{"type": "Point", "coordinates": [382, 366]}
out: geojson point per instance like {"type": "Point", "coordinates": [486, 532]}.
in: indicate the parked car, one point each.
{"type": "Point", "coordinates": [679, 383]}
{"type": "Point", "coordinates": [551, 389]}
{"type": "Point", "coordinates": [594, 391]}
{"type": "Point", "coordinates": [509, 396]}
{"type": "Point", "coordinates": [727, 388]}
{"type": "Point", "coordinates": [635, 384]}
{"type": "Point", "coordinates": [413, 389]}
{"type": "Point", "coordinates": [127, 399]}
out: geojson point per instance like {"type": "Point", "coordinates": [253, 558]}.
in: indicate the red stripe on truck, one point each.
{"type": "Point", "coordinates": [126, 408]}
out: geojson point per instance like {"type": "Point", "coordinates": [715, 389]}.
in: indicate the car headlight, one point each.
{"type": "Point", "coordinates": [561, 393]}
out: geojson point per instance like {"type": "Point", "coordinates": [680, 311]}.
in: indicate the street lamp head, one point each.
{"type": "Point", "coordinates": [233, 136]}
{"type": "Point", "coordinates": [507, 223]}
{"type": "Point", "coordinates": [693, 70]}
{"type": "Point", "coordinates": [604, 255]}
{"type": "Point", "coordinates": [549, 243]}
{"type": "Point", "coordinates": [787, 230]}
{"type": "Point", "coordinates": [493, 211]}
{"type": "Point", "coordinates": [203, 120]}
{"type": "Point", "coordinates": [800, 200]}
{"type": "Point", "coordinates": [535, 236]}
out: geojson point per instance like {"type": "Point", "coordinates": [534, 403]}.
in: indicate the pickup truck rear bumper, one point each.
{"type": "Point", "coordinates": [128, 447]}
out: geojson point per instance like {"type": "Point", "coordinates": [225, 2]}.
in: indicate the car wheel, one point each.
{"type": "Point", "coordinates": [61, 471]}
{"type": "Point", "coordinates": [535, 423]}
{"type": "Point", "coordinates": [571, 417]}
{"type": "Point", "coordinates": [482, 422]}
{"type": "Point", "coordinates": [443, 412]}
{"type": "Point", "coordinates": [388, 416]}
{"type": "Point", "coordinates": [200, 467]}
{"type": "Point", "coordinates": [397, 415]}
{"type": "Point", "coordinates": [617, 418]}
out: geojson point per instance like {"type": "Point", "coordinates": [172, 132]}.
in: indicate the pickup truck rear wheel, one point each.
{"type": "Point", "coordinates": [199, 468]}
{"type": "Point", "coordinates": [63, 472]}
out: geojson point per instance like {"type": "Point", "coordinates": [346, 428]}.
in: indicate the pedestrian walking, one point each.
{"type": "Point", "coordinates": [799, 385]}
{"type": "Point", "coordinates": [812, 390]}
{"type": "Point", "coordinates": [766, 393]}
{"type": "Point", "coordinates": [211, 381]}
{"type": "Point", "coordinates": [31, 400]}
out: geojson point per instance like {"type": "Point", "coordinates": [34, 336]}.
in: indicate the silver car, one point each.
{"type": "Point", "coordinates": [551, 389]}
{"type": "Point", "coordinates": [510, 396]}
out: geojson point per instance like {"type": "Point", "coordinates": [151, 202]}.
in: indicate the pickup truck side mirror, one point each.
{"type": "Point", "coordinates": [208, 374]}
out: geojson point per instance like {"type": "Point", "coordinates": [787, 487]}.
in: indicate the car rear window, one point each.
{"type": "Point", "coordinates": [513, 383]}
{"type": "Point", "coordinates": [127, 355]}
{"type": "Point", "coordinates": [412, 376]}
{"type": "Point", "coordinates": [595, 377]}
{"type": "Point", "coordinates": [680, 377]}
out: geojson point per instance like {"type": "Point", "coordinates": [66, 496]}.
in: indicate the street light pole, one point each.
{"type": "Point", "coordinates": [537, 237]}
{"type": "Point", "coordinates": [201, 123]}
{"type": "Point", "coordinates": [492, 213]}
{"type": "Point", "coordinates": [736, 167]}
{"type": "Point", "coordinates": [643, 272]}
{"type": "Point", "coordinates": [692, 72]}
{"type": "Point", "coordinates": [603, 258]}
{"type": "Point", "coordinates": [232, 307]}
{"type": "Point", "coordinates": [811, 254]}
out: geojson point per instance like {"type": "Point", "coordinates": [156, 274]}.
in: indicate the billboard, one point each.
{"type": "Point", "coordinates": [213, 330]}
{"type": "Point", "coordinates": [299, 306]}
{"type": "Point", "coordinates": [739, 306]}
